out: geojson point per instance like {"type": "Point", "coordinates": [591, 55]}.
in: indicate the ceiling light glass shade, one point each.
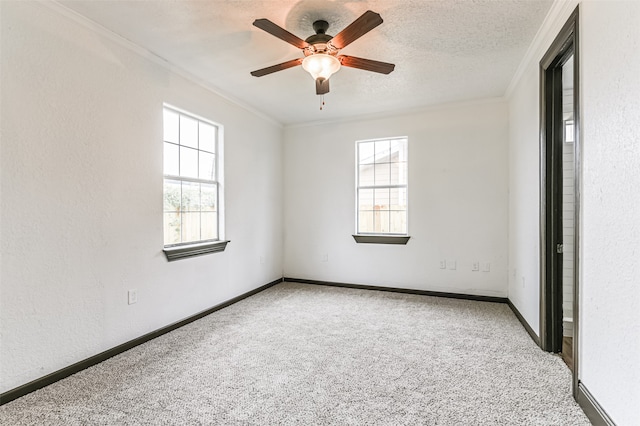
{"type": "Point", "coordinates": [321, 65]}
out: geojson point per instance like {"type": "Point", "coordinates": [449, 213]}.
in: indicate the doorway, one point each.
{"type": "Point", "coordinates": [560, 196]}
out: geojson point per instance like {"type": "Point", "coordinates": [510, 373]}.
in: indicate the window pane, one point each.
{"type": "Point", "coordinates": [365, 152]}
{"type": "Point", "coordinates": [398, 199]}
{"type": "Point", "coordinates": [399, 150]}
{"type": "Point", "coordinates": [398, 173]}
{"type": "Point", "coordinates": [208, 198]}
{"type": "Point", "coordinates": [170, 121]}
{"type": "Point", "coordinates": [190, 227]}
{"type": "Point", "coordinates": [569, 131]}
{"type": "Point", "coordinates": [188, 162]}
{"type": "Point", "coordinates": [172, 195]}
{"type": "Point", "coordinates": [381, 200]}
{"type": "Point", "coordinates": [381, 219]}
{"type": "Point", "coordinates": [382, 174]}
{"type": "Point", "coordinates": [190, 197]}
{"type": "Point", "coordinates": [188, 132]}
{"type": "Point", "coordinates": [207, 137]}
{"type": "Point", "coordinates": [398, 222]}
{"type": "Point", "coordinates": [207, 166]}
{"type": "Point", "coordinates": [365, 221]}
{"type": "Point", "coordinates": [209, 226]}
{"type": "Point", "coordinates": [382, 151]}
{"type": "Point", "coordinates": [171, 159]}
{"type": "Point", "coordinates": [365, 175]}
{"type": "Point", "coordinates": [403, 197]}
{"type": "Point", "coordinates": [365, 199]}
{"type": "Point", "coordinates": [171, 228]}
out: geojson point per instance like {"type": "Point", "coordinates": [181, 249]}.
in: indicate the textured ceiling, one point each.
{"type": "Point", "coordinates": [444, 50]}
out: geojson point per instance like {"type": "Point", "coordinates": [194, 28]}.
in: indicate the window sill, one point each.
{"type": "Point", "coordinates": [190, 250]}
{"type": "Point", "coordinates": [381, 239]}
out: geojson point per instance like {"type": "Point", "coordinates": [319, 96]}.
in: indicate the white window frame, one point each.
{"type": "Point", "coordinates": [380, 237]}
{"type": "Point", "coordinates": [184, 249]}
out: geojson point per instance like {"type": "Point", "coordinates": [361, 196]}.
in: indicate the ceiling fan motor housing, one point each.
{"type": "Point", "coordinates": [319, 42]}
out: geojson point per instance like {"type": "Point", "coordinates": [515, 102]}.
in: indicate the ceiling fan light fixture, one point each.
{"type": "Point", "coordinates": [321, 65]}
{"type": "Point", "coordinates": [320, 50]}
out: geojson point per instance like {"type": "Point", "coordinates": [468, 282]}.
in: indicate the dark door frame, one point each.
{"type": "Point", "coordinates": [551, 128]}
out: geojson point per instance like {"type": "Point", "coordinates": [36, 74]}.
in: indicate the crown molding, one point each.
{"type": "Point", "coordinates": [93, 26]}
{"type": "Point", "coordinates": [558, 14]}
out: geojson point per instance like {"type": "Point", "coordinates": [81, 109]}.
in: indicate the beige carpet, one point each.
{"type": "Point", "coordinates": [301, 354]}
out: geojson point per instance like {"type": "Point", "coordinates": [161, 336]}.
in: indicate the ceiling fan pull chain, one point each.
{"type": "Point", "coordinates": [322, 103]}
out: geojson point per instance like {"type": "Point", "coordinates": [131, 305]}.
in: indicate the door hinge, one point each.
{"type": "Point", "coordinates": [559, 248]}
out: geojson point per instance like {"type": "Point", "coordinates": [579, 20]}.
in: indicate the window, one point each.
{"type": "Point", "coordinates": [569, 131]}
{"type": "Point", "coordinates": [191, 185]}
{"type": "Point", "coordinates": [381, 180]}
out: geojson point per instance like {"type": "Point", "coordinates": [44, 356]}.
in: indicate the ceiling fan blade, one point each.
{"type": "Point", "coordinates": [366, 64]}
{"type": "Point", "coordinates": [365, 23]}
{"type": "Point", "coordinates": [322, 86]}
{"type": "Point", "coordinates": [275, 68]}
{"type": "Point", "coordinates": [281, 33]}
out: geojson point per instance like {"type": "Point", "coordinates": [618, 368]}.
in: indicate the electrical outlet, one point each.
{"type": "Point", "coordinates": [132, 296]}
{"type": "Point", "coordinates": [443, 264]}
{"type": "Point", "coordinates": [475, 266]}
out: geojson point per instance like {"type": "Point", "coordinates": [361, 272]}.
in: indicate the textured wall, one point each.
{"type": "Point", "coordinates": [524, 170]}
{"type": "Point", "coordinates": [81, 180]}
{"type": "Point", "coordinates": [457, 201]}
{"type": "Point", "coordinates": [524, 198]}
{"type": "Point", "coordinates": [610, 275]}
{"type": "Point", "coordinates": [610, 228]}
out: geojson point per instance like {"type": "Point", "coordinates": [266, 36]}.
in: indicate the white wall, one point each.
{"type": "Point", "coordinates": [81, 181]}
{"type": "Point", "coordinates": [457, 201]}
{"type": "Point", "coordinates": [524, 170]}
{"type": "Point", "coordinates": [610, 211]}
{"type": "Point", "coordinates": [524, 199]}
{"type": "Point", "coordinates": [610, 272]}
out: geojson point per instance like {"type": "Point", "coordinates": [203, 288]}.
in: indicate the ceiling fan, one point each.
{"type": "Point", "coordinates": [321, 58]}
